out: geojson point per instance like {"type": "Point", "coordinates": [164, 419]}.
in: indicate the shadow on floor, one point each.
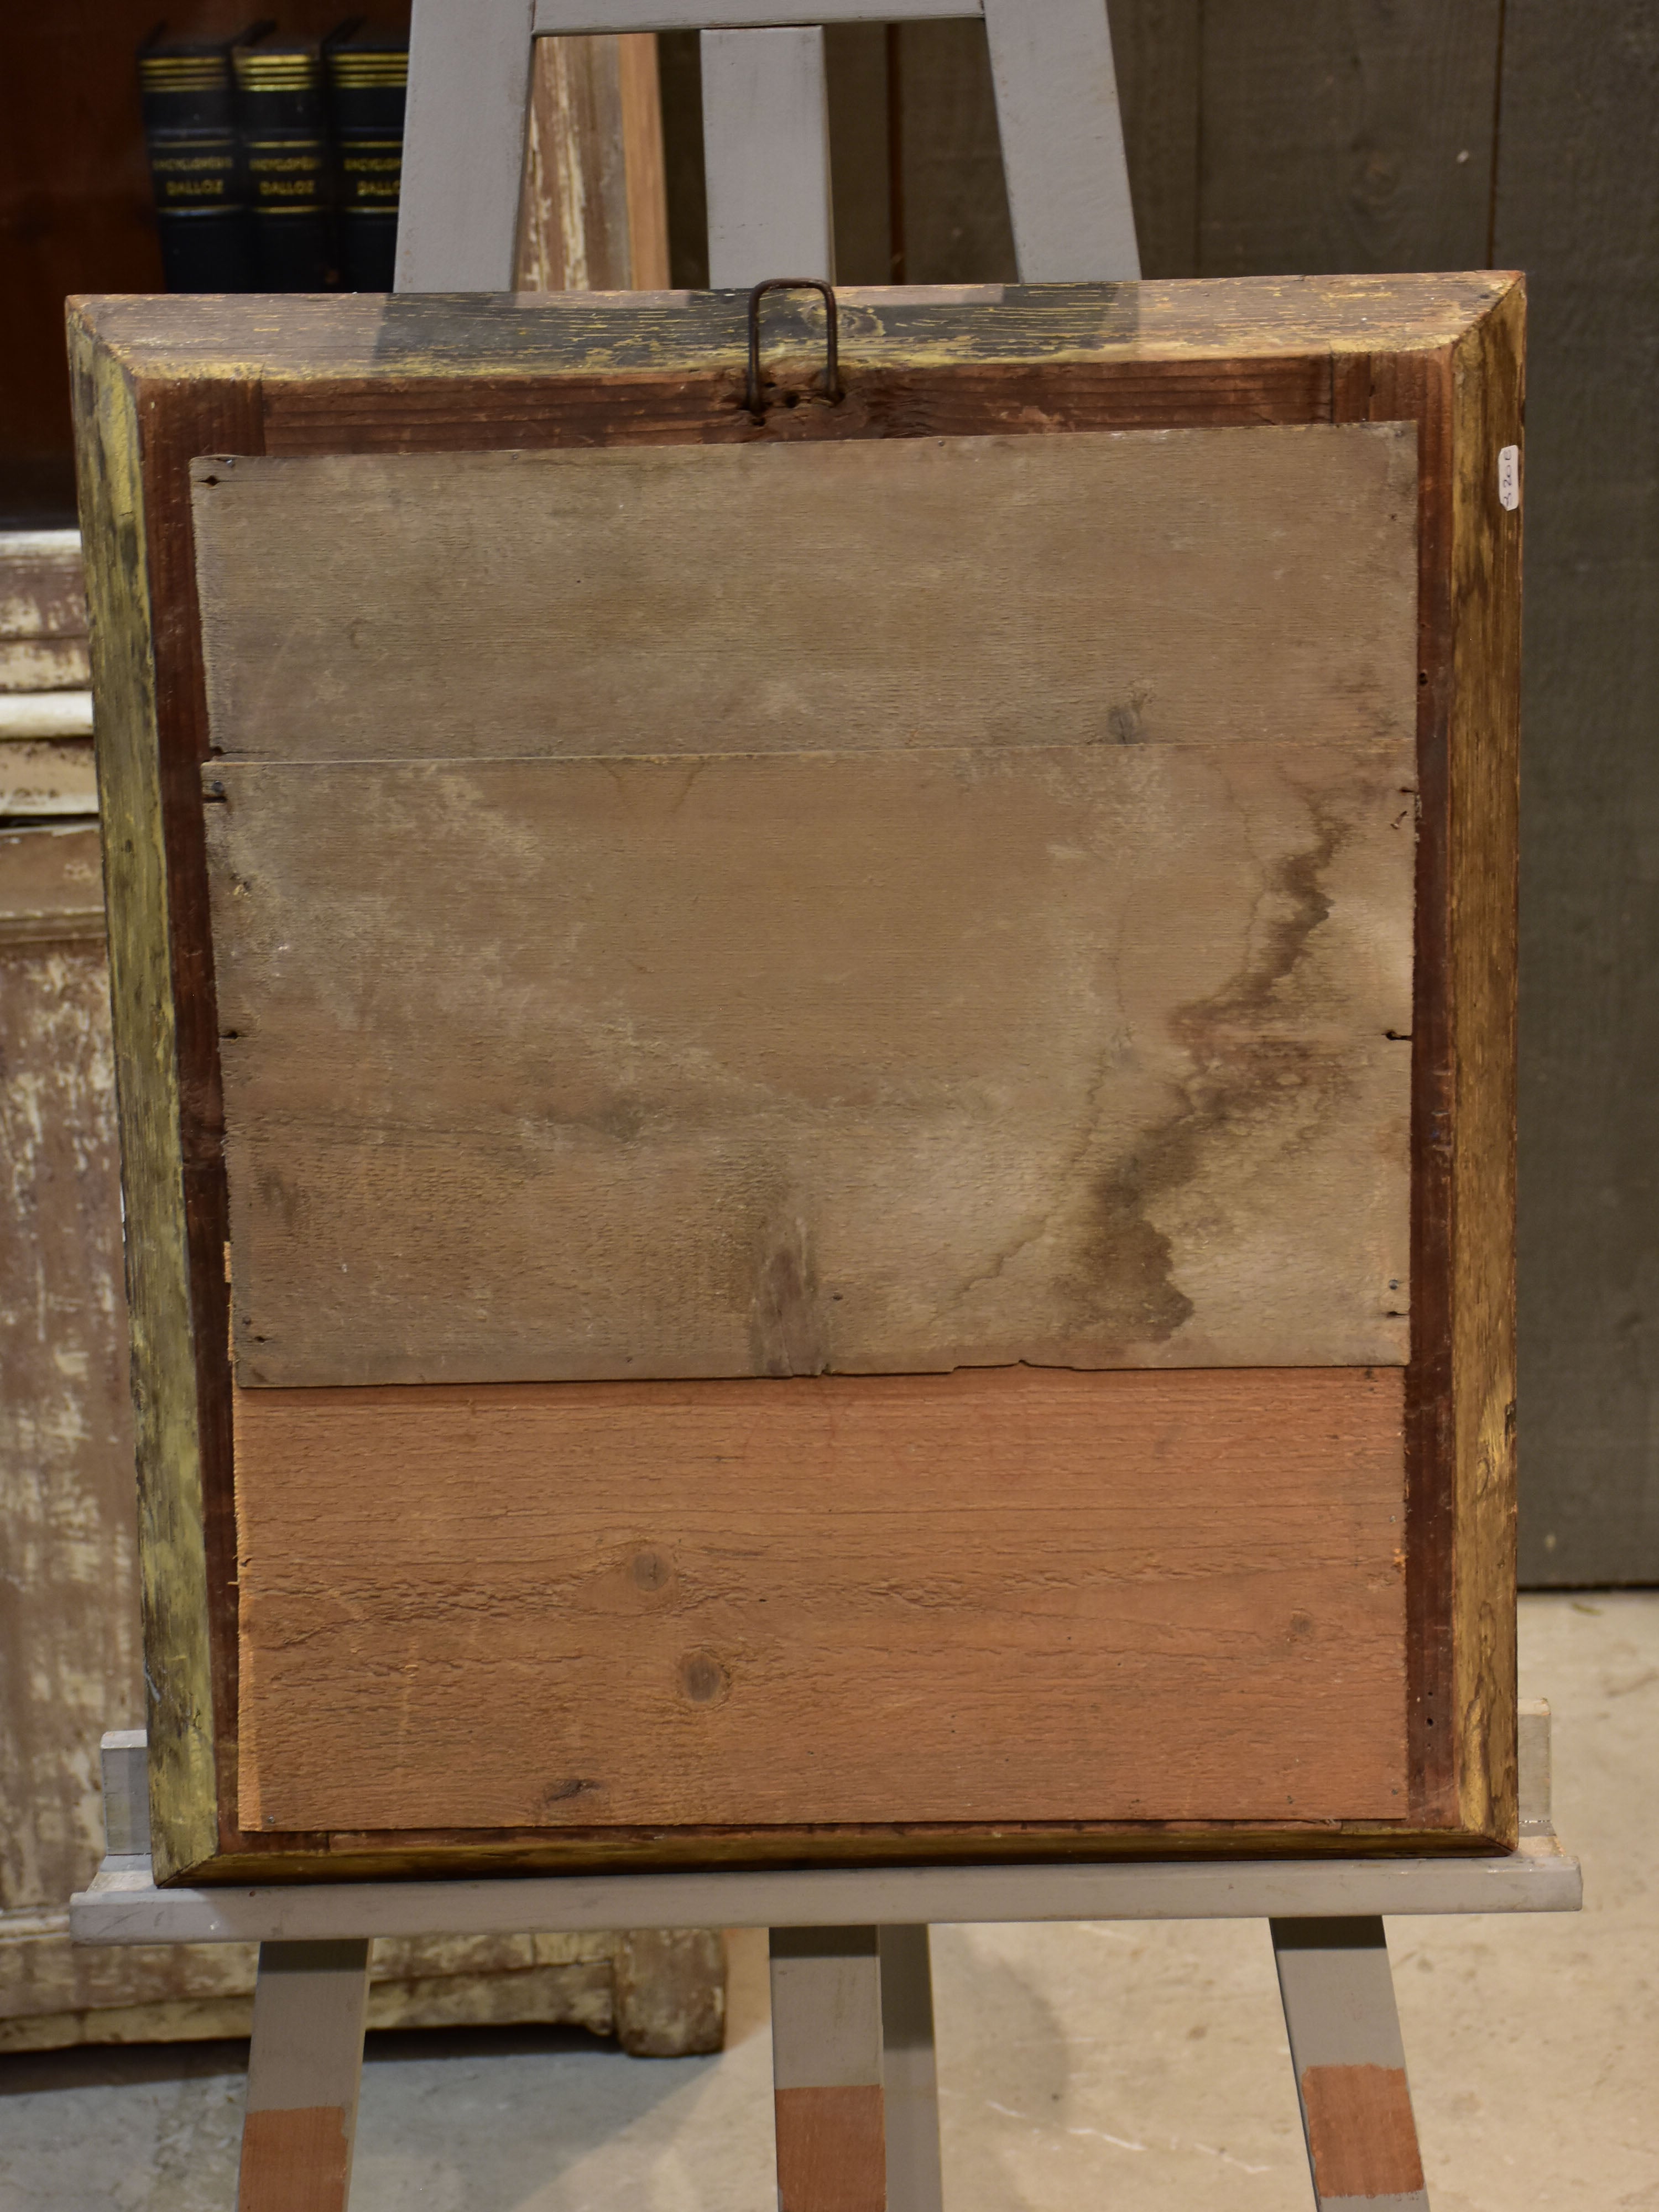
{"type": "Point", "coordinates": [112, 2065]}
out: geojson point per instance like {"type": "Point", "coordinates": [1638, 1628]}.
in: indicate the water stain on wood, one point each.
{"type": "Point", "coordinates": [1246, 1051]}
{"type": "Point", "coordinates": [816, 1062]}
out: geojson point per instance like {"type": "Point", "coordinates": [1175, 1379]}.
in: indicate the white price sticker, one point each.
{"type": "Point", "coordinates": [1509, 476]}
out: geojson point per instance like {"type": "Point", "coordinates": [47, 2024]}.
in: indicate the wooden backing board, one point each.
{"type": "Point", "coordinates": [1144, 587]}
{"type": "Point", "coordinates": [541, 1071]}
{"type": "Point", "coordinates": [1053, 1015]}
{"type": "Point", "coordinates": [1020, 1596]}
{"type": "Point", "coordinates": [160, 382]}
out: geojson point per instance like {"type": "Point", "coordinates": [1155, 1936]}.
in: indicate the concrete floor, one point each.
{"type": "Point", "coordinates": [1139, 2067]}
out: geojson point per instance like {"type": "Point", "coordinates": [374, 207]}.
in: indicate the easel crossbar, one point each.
{"type": "Point", "coordinates": [123, 1906]}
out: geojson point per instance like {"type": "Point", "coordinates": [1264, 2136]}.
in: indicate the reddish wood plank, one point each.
{"type": "Point", "coordinates": [832, 2150]}
{"type": "Point", "coordinates": [981, 1598]}
{"type": "Point", "coordinates": [295, 2162]}
{"type": "Point", "coordinates": [1362, 2137]}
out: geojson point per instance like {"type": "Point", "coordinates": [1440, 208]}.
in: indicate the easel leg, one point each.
{"type": "Point", "coordinates": [909, 2072]}
{"type": "Point", "coordinates": [1338, 1989]}
{"type": "Point", "coordinates": [304, 2069]}
{"type": "Point", "coordinates": [827, 2069]}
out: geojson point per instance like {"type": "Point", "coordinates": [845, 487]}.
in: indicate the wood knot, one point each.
{"type": "Point", "coordinates": [704, 1679]}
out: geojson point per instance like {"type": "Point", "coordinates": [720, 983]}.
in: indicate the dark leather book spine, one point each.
{"type": "Point", "coordinates": [203, 215]}
{"type": "Point", "coordinates": [285, 147]}
{"type": "Point", "coordinates": [368, 82]}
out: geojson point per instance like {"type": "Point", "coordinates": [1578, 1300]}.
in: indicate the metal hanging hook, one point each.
{"type": "Point", "coordinates": [753, 401]}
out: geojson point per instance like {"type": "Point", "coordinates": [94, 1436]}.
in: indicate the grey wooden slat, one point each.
{"type": "Point", "coordinates": [1577, 207]}
{"type": "Point", "coordinates": [1062, 143]}
{"type": "Point", "coordinates": [127, 1907]}
{"type": "Point", "coordinates": [827, 2088]}
{"type": "Point", "coordinates": [553, 17]}
{"type": "Point", "coordinates": [909, 2071]}
{"type": "Point", "coordinates": [469, 103]}
{"type": "Point", "coordinates": [826, 2007]}
{"type": "Point", "coordinates": [1533, 1759]}
{"type": "Point", "coordinates": [1353, 134]}
{"type": "Point", "coordinates": [766, 155]}
{"type": "Point", "coordinates": [1350, 2065]}
{"type": "Point", "coordinates": [305, 2068]}
{"type": "Point", "coordinates": [125, 1769]}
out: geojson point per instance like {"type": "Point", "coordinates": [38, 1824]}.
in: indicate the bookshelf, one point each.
{"type": "Point", "coordinates": [76, 211]}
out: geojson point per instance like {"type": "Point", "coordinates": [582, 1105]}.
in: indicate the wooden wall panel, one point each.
{"type": "Point", "coordinates": [861, 78]}
{"type": "Point", "coordinates": [956, 225]}
{"type": "Point", "coordinates": [1577, 206]}
{"type": "Point", "coordinates": [1158, 47]}
{"type": "Point", "coordinates": [997, 1597]}
{"type": "Point", "coordinates": [1357, 134]}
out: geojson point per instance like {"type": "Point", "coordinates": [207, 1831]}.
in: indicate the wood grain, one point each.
{"type": "Point", "coordinates": [935, 591]}
{"type": "Point", "coordinates": [436, 344]}
{"type": "Point", "coordinates": [68, 1641]}
{"type": "Point", "coordinates": [547, 1070]}
{"type": "Point", "coordinates": [297, 2161]}
{"type": "Point", "coordinates": [1362, 2137]}
{"type": "Point", "coordinates": [130, 634]}
{"type": "Point", "coordinates": [832, 2149]}
{"type": "Point", "coordinates": [1483, 746]}
{"type": "Point", "coordinates": [1358, 136]}
{"type": "Point", "coordinates": [51, 891]}
{"type": "Point", "coordinates": [987, 1597]}
{"type": "Point", "coordinates": [411, 374]}
{"type": "Point", "coordinates": [592, 215]}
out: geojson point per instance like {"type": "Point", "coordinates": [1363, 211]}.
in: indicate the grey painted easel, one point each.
{"type": "Point", "coordinates": [852, 1994]}
{"type": "Point", "coordinates": [852, 2001]}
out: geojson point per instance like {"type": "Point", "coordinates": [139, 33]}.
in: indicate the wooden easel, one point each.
{"type": "Point", "coordinates": [765, 132]}
{"type": "Point", "coordinates": [852, 2031]}
{"type": "Point", "coordinates": [852, 1998]}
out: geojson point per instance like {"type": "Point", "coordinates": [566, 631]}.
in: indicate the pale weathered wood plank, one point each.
{"type": "Point", "coordinates": [1144, 586]}
{"type": "Point", "coordinates": [1008, 1596]}
{"type": "Point", "coordinates": [543, 1070]}
{"type": "Point", "coordinates": [594, 215]}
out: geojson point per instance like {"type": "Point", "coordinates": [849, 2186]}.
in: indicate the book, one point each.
{"type": "Point", "coordinates": [204, 214]}
{"type": "Point", "coordinates": [368, 81]}
{"type": "Point", "coordinates": [284, 139]}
